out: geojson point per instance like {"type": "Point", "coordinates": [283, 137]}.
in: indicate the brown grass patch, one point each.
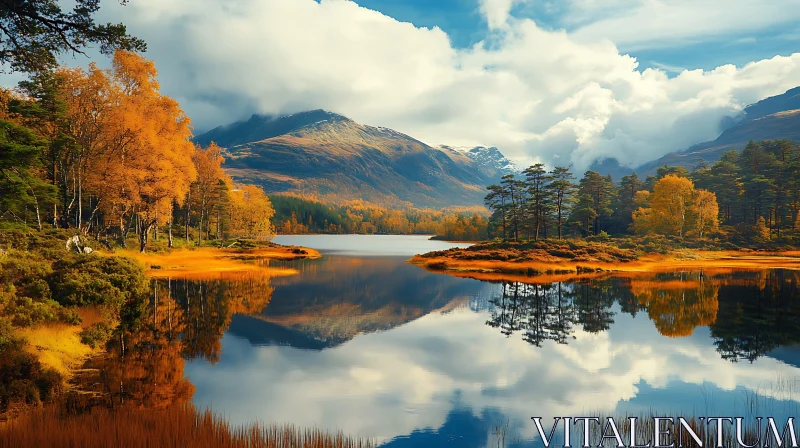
{"type": "Point", "coordinates": [177, 426]}
{"type": "Point", "coordinates": [57, 346]}
{"type": "Point", "coordinates": [209, 263]}
{"type": "Point", "coordinates": [550, 269]}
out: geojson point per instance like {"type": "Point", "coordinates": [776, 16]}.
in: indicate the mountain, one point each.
{"type": "Point", "coordinates": [337, 159]}
{"type": "Point", "coordinates": [485, 158]}
{"type": "Point", "coordinates": [328, 304]}
{"type": "Point", "coordinates": [262, 127]}
{"type": "Point", "coordinates": [776, 117]}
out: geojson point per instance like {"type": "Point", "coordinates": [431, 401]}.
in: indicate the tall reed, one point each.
{"type": "Point", "coordinates": [177, 426]}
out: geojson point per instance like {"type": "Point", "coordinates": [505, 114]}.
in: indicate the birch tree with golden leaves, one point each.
{"type": "Point", "coordinates": [251, 213]}
{"type": "Point", "coordinates": [136, 154]}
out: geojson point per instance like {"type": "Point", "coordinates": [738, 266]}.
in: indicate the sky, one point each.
{"type": "Point", "coordinates": [563, 82]}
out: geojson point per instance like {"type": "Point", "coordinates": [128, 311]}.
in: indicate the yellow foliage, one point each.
{"type": "Point", "coordinates": [134, 153]}
{"type": "Point", "coordinates": [676, 208]}
{"type": "Point", "coordinates": [251, 213]}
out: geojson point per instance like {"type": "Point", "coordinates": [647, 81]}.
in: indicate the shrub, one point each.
{"type": "Point", "coordinates": [23, 380]}
{"type": "Point", "coordinates": [96, 280]}
{"type": "Point", "coordinates": [26, 312]}
{"type": "Point", "coordinates": [96, 335]}
{"type": "Point", "coordinates": [26, 272]}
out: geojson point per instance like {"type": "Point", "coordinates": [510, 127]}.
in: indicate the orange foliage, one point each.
{"type": "Point", "coordinates": [677, 307]}
{"type": "Point", "coordinates": [175, 426]}
{"type": "Point", "coordinates": [676, 208]}
{"type": "Point", "coordinates": [134, 153]}
{"type": "Point", "coordinates": [251, 213]}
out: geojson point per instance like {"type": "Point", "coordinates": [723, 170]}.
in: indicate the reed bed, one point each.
{"type": "Point", "coordinates": [177, 426]}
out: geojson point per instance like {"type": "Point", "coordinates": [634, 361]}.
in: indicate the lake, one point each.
{"type": "Point", "coordinates": [361, 341]}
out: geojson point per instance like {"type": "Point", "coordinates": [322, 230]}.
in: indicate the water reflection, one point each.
{"type": "Point", "coordinates": [380, 348]}
{"type": "Point", "coordinates": [185, 320]}
{"type": "Point", "coordinates": [749, 314]}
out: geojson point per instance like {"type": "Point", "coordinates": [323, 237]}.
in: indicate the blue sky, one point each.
{"type": "Point", "coordinates": [463, 22]}
{"type": "Point", "coordinates": [559, 82]}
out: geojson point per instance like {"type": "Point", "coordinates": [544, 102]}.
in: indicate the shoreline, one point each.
{"type": "Point", "coordinates": [545, 269]}
{"type": "Point", "coordinates": [213, 262]}
{"type": "Point", "coordinates": [58, 346]}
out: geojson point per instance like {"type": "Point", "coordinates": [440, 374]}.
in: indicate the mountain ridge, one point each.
{"type": "Point", "coordinates": [775, 117]}
{"type": "Point", "coordinates": [338, 159]}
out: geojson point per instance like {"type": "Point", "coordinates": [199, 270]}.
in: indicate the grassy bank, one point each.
{"type": "Point", "coordinates": [58, 307]}
{"type": "Point", "coordinates": [177, 426]}
{"type": "Point", "coordinates": [558, 260]}
{"type": "Point", "coordinates": [205, 262]}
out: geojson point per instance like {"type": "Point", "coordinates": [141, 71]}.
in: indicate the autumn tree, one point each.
{"type": "Point", "coordinates": [133, 144]}
{"type": "Point", "coordinates": [251, 213]}
{"type": "Point", "coordinates": [676, 208]}
{"type": "Point", "coordinates": [209, 191]}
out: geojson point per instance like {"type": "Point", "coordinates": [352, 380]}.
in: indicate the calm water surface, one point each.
{"type": "Point", "coordinates": [363, 342]}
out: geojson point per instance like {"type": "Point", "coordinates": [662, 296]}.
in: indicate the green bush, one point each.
{"type": "Point", "coordinates": [27, 273]}
{"type": "Point", "coordinates": [96, 335]}
{"type": "Point", "coordinates": [26, 312]}
{"type": "Point", "coordinates": [23, 380]}
{"type": "Point", "coordinates": [69, 315]}
{"type": "Point", "coordinates": [96, 280]}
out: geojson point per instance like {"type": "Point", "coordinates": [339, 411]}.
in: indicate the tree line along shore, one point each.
{"type": "Point", "coordinates": [741, 211]}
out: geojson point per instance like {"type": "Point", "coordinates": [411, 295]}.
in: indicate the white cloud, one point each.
{"type": "Point", "coordinates": [536, 94]}
{"type": "Point", "coordinates": [497, 12]}
{"type": "Point", "coordinates": [637, 24]}
{"type": "Point", "coordinates": [388, 384]}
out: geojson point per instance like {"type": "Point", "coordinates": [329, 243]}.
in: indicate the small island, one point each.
{"type": "Point", "coordinates": [741, 213]}
{"type": "Point", "coordinates": [551, 261]}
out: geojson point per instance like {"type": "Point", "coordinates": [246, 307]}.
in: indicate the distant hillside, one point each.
{"type": "Point", "coordinates": [337, 159]}
{"type": "Point", "coordinates": [779, 125]}
{"type": "Point", "coordinates": [776, 117]}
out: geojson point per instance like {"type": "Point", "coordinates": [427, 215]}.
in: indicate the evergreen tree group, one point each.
{"type": "Point", "coordinates": [753, 194]}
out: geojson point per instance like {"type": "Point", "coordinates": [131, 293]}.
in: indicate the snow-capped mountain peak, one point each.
{"type": "Point", "coordinates": [489, 157]}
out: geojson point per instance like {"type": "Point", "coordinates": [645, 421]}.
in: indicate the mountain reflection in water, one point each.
{"type": "Point", "coordinates": [380, 348]}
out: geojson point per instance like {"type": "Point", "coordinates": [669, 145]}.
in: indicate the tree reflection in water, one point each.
{"type": "Point", "coordinates": [749, 313]}
{"type": "Point", "coordinates": [185, 320]}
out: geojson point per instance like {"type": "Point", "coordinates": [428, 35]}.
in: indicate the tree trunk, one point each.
{"type": "Point", "coordinates": [144, 231]}
{"type": "Point", "coordinates": [122, 232]}
{"type": "Point", "coordinates": [169, 234]}
{"type": "Point", "coordinates": [187, 219]}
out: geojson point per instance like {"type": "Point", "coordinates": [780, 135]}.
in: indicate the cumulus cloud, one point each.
{"type": "Point", "coordinates": [635, 24]}
{"type": "Point", "coordinates": [497, 12]}
{"type": "Point", "coordinates": [388, 384]}
{"type": "Point", "coordinates": [538, 95]}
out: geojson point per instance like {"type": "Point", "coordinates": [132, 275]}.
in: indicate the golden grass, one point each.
{"type": "Point", "coordinates": [209, 263]}
{"type": "Point", "coordinates": [57, 346]}
{"type": "Point", "coordinates": [534, 271]}
{"type": "Point", "coordinates": [177, 426]}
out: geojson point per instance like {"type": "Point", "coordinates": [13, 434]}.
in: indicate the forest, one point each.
{"type": "Point", "coordinates": [748, 198]}
{"type": "Point", "coordinates": [297, 215]}
{"type": "Point", "coordinates": [102, 151]}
